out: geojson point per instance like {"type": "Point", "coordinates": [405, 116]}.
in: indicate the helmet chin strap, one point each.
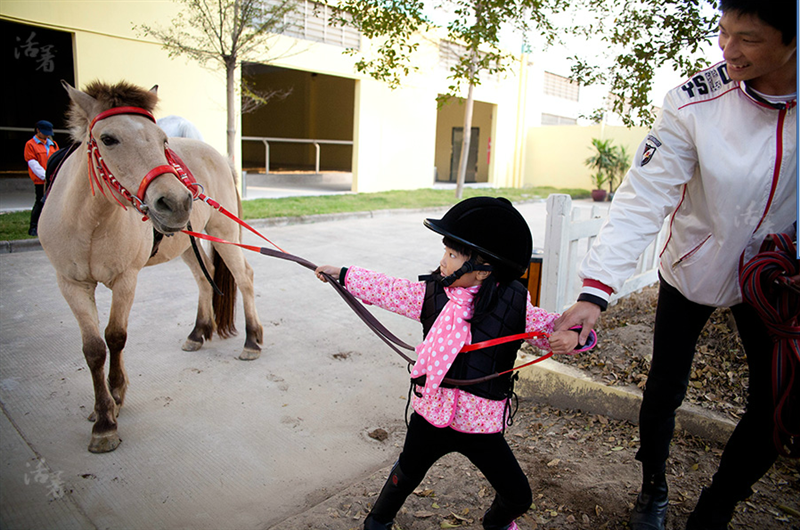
{"type": "Point", "coordinates": [468, 266]}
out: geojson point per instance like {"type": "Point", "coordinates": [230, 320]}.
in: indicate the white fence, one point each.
{"type": "Point", "coordinates": [568, 235]}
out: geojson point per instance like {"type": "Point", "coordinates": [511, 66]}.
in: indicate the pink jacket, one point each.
{"type": "Point", "coordinates": [447, 407]}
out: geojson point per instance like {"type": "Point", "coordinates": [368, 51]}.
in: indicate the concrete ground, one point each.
{"type": "Point", "coordinates": [211, 442]}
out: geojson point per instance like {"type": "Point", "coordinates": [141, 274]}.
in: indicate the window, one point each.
{"type": "Point", "coordinates": [561, 87]}
{"type": "Point", "coordinates": [450, 54]}
{"type": "Point", "coordinates": [311, 21]}
{"type": "Point", "coordinates": [552, 119]}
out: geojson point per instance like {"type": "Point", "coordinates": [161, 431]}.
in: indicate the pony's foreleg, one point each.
{"type": "Point", "coordinates": [123, 290]}
{"type": "Point", "coordinates": [204, 324]}
{"type": "Point", "coordinates": [243, 273]}
{"type": "Point", "coordinates": [80, 297]}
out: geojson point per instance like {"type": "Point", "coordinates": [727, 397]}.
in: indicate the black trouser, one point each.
{"type": "Point", "coordinates": [37, 206]}
{"type": "Point", "coordinates": [749, 452]}
{"type": "Point", "coordinates": [425, 444]}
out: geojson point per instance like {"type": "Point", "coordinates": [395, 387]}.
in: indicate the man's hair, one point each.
{"type": "Point", "coordinates": [780, 14]}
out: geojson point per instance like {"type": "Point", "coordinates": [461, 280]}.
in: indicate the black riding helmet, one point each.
{"type": "Point", "coordinates": [491, 227]}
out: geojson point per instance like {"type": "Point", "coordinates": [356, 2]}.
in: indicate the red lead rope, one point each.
{"type": "Point", "coordinates": [383, 333]}
{"type": "Point", "coordinates": [185, 175]}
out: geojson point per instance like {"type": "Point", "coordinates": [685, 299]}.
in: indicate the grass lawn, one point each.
{"type": "Point", "coordinates": [14, 225]}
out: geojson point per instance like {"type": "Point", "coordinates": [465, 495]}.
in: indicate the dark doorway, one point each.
{"type": "Point", "coordinates": [34, 61]}
{"type": "Point", "coordinates": [472, 159]}
{"type": "Point", "coordinates": [308, 106]}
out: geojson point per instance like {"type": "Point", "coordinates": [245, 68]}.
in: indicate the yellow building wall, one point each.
{"type": "Point", "coordinates": [555, 155]}
{"type": "Point", "coordinates": [107, 48]}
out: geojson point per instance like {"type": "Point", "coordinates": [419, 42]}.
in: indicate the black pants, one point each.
{"type": "Point", "coordinates": [490, 453]}
{"type": "Point", "coordinates": [37, 206]}
{"type": "Point", "coordinates": [749, 452]}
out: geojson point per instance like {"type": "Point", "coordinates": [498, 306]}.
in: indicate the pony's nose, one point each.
{"type": "Point", "coordinates": [171, 206]}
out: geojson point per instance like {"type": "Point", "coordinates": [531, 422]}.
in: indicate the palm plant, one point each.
{"type": "Point", "coordinates": [609, 162]}
{"type": "Point", "coordinates": [602, 162]}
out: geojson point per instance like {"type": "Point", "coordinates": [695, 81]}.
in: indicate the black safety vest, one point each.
{"type": "Point", "coordinates": [507, 318]}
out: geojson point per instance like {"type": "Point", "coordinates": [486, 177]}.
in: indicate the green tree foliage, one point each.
{"type": "Point", "coordinates": [638, 37]}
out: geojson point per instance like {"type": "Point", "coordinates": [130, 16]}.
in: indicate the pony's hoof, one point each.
{"type": "Point", "coordinates": [104, 443]}
{"type": "Point", "coordinates": [249, 354]}
{"type": "Point", "coordinates": [191, 345]}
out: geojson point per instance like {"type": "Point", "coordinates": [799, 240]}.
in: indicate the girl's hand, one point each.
{"type": "Point", "coordinates": [330, 270]}
{"type": "Point", "coordinates": [564, 341]}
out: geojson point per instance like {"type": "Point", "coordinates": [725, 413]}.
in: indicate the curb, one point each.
{"type": "Point", "coordinates": [19, 245]}
{"type": "Point", "coordinates": [565, 387]}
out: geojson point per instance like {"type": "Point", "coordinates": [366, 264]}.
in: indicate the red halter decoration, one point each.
{"type": "Point", "coordinates": [99, 172]}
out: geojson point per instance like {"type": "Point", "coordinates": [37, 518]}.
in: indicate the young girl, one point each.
{"type": "Point", "coordinates": [472, 297]}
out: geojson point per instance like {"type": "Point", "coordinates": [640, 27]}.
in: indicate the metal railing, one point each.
{"type": "Point", "coordinates": [266, 141]}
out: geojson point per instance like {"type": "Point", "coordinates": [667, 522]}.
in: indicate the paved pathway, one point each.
{"type": "Point", "coordinates": [208, 441]}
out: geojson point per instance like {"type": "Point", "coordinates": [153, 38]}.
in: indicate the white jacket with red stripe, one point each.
{"type": "Point", "coordinates": [722, 165]}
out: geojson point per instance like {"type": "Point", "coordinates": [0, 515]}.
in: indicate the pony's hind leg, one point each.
{"type": "Point", "coordinates": [80, 297]}
{"type": "Point", "coordinates": [204, 326]}
{"type": "Point", "coordinates": [243, 273]}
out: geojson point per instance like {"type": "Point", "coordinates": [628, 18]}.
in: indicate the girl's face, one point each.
{"type": "Point", "coordinates": [452, 261]}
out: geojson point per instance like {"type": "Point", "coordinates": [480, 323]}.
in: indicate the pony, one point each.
{"type": "Point", "coordinates": [94, 230]}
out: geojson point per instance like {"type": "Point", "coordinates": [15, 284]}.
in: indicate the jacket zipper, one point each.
{"type": "Point", "coordinates": [691, 252]}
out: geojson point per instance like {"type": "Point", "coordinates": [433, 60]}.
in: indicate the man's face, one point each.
{"type": "Point", "coordinates": [40, 136]}
{"type": "Point", "coordinates": [756, 53]}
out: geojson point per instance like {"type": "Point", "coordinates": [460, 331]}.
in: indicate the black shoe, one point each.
{"type": "Point", "coordinates": [650, 511]}
{"type": "Point", "coordinates": [390, 500]}
{"type": "Point", "coordinates": [33, 232]}
{"type": "Point", "coordinates": [372, 524]}
{"type": "Point", "coordinates": [711, 513]}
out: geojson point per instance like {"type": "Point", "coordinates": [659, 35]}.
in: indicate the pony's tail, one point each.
{"type": "Point", "coordinates": [225, 304]}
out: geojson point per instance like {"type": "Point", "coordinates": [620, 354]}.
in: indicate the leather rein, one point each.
{"type": "Point", "coordinates": [100, 174]}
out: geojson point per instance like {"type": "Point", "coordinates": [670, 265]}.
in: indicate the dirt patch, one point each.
{"type": "Point", "coordinates": [581, 466]}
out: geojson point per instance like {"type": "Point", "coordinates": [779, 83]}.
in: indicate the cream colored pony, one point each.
{"type": "Point", "coordinates": [93, 232]}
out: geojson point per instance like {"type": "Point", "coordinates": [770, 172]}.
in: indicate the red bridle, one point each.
{"type": "Point", "coordinates": [99, 172]}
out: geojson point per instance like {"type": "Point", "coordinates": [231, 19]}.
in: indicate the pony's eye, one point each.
{"type": "Point", "coordinates": [108, 141]}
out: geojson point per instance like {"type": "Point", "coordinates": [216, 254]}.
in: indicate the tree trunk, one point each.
{"type": "Point", "coordinates": [467, 136]}
{"type": "Point", "coordinates": [230, 76]}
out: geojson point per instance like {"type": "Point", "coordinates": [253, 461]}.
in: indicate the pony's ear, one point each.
{"type": "Point", "coordinates": [154, 90]}
{"type": "Point", "coordinates": [81, 99]}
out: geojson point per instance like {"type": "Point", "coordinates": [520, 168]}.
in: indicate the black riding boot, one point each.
{"type": "Point", "coordinates": [650, 511]}
{"type": "Point", "coordinates": [394, 493]}
{"type": "Point", "coordinates": [501, 514]}
{"type": "Point", "coordinates": [712, 512]}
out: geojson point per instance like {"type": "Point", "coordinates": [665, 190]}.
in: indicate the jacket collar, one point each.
{"type": "Point", "coordinates": [750, 93]}
{"type": "Point", "coordinates": [49, 142]}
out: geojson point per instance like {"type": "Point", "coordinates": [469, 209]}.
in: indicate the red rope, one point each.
{"type": "Point", "coordinates": [765, 286]}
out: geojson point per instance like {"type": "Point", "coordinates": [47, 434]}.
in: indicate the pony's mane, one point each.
{"type": "Point", "coordinates": [122, 94]}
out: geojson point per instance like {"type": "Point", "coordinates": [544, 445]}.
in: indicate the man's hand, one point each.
{"type": "Point", "coordinates": [583, 314]}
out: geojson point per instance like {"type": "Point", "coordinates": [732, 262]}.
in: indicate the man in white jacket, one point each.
{"type": "Point", "coordinates": [721, 164]}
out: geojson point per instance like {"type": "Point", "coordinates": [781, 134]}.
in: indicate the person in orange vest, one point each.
{"type": "Point", "coordinates": [37, 151]}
